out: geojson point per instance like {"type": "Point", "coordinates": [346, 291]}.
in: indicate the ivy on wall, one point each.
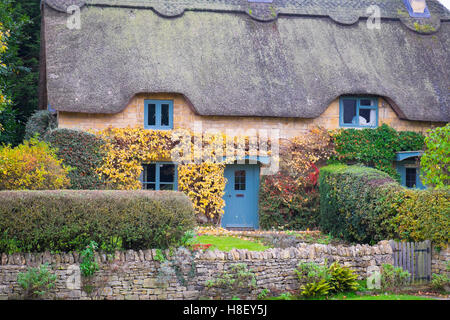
{"type": "Point", "coordinates": [200, 157]}
{"type": "Point", "coordinates": [375, 147]}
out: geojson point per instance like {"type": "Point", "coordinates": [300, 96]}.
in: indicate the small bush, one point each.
{"type": "Point", "coordinates": [82, 151]}
{"type": "Point", "coordinates": [320, 280]}
{"type": "Point", "coordinates": [68, 220]}
{"type": "Point", "coordinates": [286, 204]}
{"type": "Point", "coordinates": [393, 277]}
{"type": "Point", "coordinates": [342, 279]}
{"type": "Point", "coordinates": [32, 165]}
{"type": "Point", "coordinates": [36, 282]}
{"type": "Point", "coordinates": [39, 123]}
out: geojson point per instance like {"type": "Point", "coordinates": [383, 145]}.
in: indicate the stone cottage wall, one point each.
{"type": "Point", "coordinates": [138, 275]}
{"type": "Point", "coordinates": [185, 116]}
{"type": "Point", "coordinates": [439, 260]}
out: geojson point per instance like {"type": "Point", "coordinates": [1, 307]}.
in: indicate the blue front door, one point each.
{"type": "Point", "coordinates": [241, 196]}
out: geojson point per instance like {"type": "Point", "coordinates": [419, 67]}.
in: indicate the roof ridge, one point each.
{"type": "Point", "coordinates": [340, 10]}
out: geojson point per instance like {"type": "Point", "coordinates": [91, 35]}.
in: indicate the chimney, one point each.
{"type": "Point", "coordinates": [418, 6]}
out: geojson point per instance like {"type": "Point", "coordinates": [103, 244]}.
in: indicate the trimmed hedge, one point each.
{"type": "Point", "coordinates": [82, 151]}
{"type": "Point", "coordinates": [365, 205]}
{"type": "Point", "coordinates": [36, 221]}
{"type": "Point", "coordinates": [39, 123]}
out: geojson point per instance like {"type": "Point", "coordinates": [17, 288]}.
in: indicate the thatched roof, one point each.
{"type": "Point", "coordinates": [232, 57]}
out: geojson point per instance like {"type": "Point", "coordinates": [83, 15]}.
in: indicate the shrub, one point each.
{"type": "Point", "coordinates": [68, 220]}
{"type": "Point", "coordinates": [393, 277]}
{"type": "Point", "coordinates": [342, 279]}
{"type": "Point", "coordinates": [88, 265]}
{"type": "Point", "coordinates": [39, 123]}
{"type": "Point", "coordinates": [36, 282]}
{"type": "Point", "coordinates": [318, 280]}
{"type": "Point", "coordinates": [434, 162]}
{"type": "Point", "coordinates": [83, 152]}
{"type": "Point", "coordinates": [284, 203]}
{"type": "Point", "coordinates": [375, 147]}
{"type": "Point", "coordinates": [238, 281]}
{"type": "Point", "coordinates": [365, 205]}
{"type": "Point", "coordinates": [32, 165]}
{"type": "Point", "coordinates": [423, 215]}
{"type": "Point", "coordinates": [356, 203]}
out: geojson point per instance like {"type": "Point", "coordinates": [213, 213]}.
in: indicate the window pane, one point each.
{"type": "Point", "coordinates": [366, 102]}
{"type": "Point", "coordinates": [239, 180]}
{"type": "Point", "coordinates": [166, 186]}
{"type": "Point", "coordinates": [367, 117]}
{"type": "Point", "coordinates": [164, 114]}
{"type": "Point", "coordinates": [149, 186]}
{"type": "Point", "coordinates": [349, 111]}
{"type": "Point", "coordinates": [149, 173]}
{"type": "Point", "coordinates": [410, 177]}
{"type": "Point", "coordinates": [151, 121]}
{"type": "Point", "coordinates": [167, 173]}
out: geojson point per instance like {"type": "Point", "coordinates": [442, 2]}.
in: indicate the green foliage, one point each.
{"type": "Point", "coordinates": [82, 151]}
{"type": "Point", "coordinates": [440, 282]}
{"type": "Point", "coordinates": [320, 280]}
{"type": "Point", "coordinates": [285, 203]}
{"type": "Point", "coordinates": [356, 203]}
{"type": "Point", "coordinates": [423, 215]}
{"type": "Point", "coordinates": [375, 147]}
{"type": "Point", "coordinates": [40, 123]}
{"type": "Point", "coordinates": [20, 78]}
{"type": "Point", "coordinates": [434, 162]}
{"type": "Point", "coordinates": [88, 265]}
{"type": "Point", "coordinates": [393, 277]}
{"type": "Point", "coordinates": [235, 280]}
{"type": "Point", "coordinates": [68, 220]}
{"type": "Point", "coordinates": [315, 289]}
{"type": "Point", "coordinates": [365, 205]}
{"type": "Point", "coordinates": [8, 126]}
{"type": "Point", "coordinates": [188, 238]}
{"type": "Point", "coordinates": [36, 282]}
{"type": "Point", "coordinates": [314, 278]}
{"type": "Point", "coordinates": [342, 279]}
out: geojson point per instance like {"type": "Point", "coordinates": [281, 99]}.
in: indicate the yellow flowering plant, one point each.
{"type": "Point", "coordinates": [201, 158]}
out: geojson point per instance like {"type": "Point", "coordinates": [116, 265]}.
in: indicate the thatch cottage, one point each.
{"type": "Point", "coordinates": [282, 64]}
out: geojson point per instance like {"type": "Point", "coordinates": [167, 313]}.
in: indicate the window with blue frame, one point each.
{"type": "Point", "coordinates": [358, 112]}
{"type": "Point", "coordinates": [158, 114]}
{"type": "Point", "coordinates": [159, 176]}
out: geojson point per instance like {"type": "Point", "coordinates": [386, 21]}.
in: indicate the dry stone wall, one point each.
{"type": "Point", "coordinates": [139, 275]}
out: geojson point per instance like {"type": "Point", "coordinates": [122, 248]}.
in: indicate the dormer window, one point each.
{"type": "Point", "coordinates": [355, 112]}
{"type": "Point", "coordinates": [417, 8]}
{"type": "Point", "coordinates": [158, 114]}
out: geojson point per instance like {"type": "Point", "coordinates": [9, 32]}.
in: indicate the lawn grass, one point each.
{"type": "Point", "coordinates": [225, 243]}
{"type": "Point", "coordinates": [354, 296]}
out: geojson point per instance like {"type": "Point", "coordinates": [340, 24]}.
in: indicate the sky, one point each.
{"type": "Point", "coordinates": [446, 3]}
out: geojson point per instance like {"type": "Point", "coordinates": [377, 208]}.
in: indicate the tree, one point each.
{"type": "Point", "coordinates": [434, 162]}
{"type": "Point", "coordinates": [19, 70]}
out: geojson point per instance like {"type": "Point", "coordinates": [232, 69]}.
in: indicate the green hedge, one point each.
{"type": "Point", "coordinates": [83, 152]}
{"type": "Point", "coordinates": [39, 123]}
{"type": "Point", "coordinates": [36, 221]}
{"type": "Point", "coordinates": [365, 205]}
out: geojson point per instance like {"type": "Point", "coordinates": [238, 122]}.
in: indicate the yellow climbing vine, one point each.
{"type": "Point", "coordinates": [200, 157]}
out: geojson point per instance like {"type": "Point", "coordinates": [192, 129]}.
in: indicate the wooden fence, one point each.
{"type": "Point", "coordinates": [414, 257]}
